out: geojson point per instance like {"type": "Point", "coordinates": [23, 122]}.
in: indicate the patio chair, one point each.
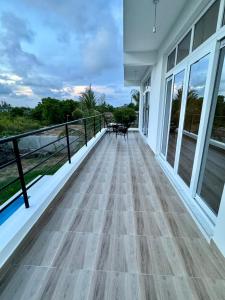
{"type": "Point", "coordinates": [122, 130]}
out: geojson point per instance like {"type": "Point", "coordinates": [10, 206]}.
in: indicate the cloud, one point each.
{"type": "Point", "coordinates": [5, 89]}
{"type": "Point", "coordinates": [23, 91]}
{"type": "Point", "coordinates": [98, 55]}
{"type": "Point", "coordinates": [14, 32]}
{"type": "Point", "coordinates": [58, 48]}
{"type": "Point", "coordinates": [114, 94]}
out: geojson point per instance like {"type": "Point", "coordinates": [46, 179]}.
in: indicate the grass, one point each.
{"type": "Point", "coordinates": [13, 188]}
{"type": "Point", "coordinates": [49, 168]}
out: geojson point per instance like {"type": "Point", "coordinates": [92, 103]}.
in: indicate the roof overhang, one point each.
{"type": "Point", "coordinates": [137, 65]}
{"type": "Point", "coordinates": [141, 45]}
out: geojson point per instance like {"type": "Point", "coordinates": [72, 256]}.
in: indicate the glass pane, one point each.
{"type": "Point", "coordinates": [175, 116]}
{"type": "Point", "coordinates": [171, 60]}
{"type": "Point", "coordinates": [198, 74]}
{"type": "Point", "coordinates": [223, 18]}
{"type": "Point", "coordinates": [206, 26]}
{"type": "Point", "coordinates": [166, 117]}
{"type": "Point", "coordinates": [145, 114]}
{"type": "Point", "coordinates": [184, 47]}
{"type": "Point", "coordinates": [212, 177]}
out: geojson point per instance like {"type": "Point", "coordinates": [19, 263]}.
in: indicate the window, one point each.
{"type": "Point", "coordinates": [175, 117]}
{"type": "Point", "coordinates": [171, 60]}
{"type": "Point", "coordinates": [212, 175]}
{"type": "Point", "coordinates": [223, 18]}
{"type": "Point", "coordinates": [184, 47]}
{"type": "Point", "coordinates": [145, 114]}
{"type": "Point", "coordinates": [198, 75]}
{"type": "Point", "coordinates": [166, 116]}
{"type": "Point", "coordinates": [206, 26]}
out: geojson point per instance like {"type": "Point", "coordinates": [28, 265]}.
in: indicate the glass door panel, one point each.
{"type": "Point", "coordinates": [166, 115]}
{"type": "Point", "coordinates": [212, 174]}
{"type": "Point", "coordinates": [145, 114]}
{"type": "Point", "coordinates": [197, 81]}
{"type": "Point", "coordinates": [175, 117]}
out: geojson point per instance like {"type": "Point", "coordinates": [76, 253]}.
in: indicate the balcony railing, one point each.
{"type": "Point", "coordinates": [27, 157]}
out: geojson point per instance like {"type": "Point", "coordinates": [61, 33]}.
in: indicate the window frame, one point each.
{"type": "Point", "coordinates": [198, 20]}
{"type": "Point", "coordinates": [211, 46]}
{"type": "Point", "coordinates": [171, 77]}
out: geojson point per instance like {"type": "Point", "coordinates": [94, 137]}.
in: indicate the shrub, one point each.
{"type": "Point", "coordinates": [77, 114]}
{"type": "Point", "coordinates": [124, 115]}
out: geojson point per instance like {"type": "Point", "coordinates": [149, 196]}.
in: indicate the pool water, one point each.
{"type": "Point", "coordinates": [11, 209]}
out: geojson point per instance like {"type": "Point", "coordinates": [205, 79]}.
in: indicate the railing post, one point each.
{"type": "Point", "coordinates": [94, 127]}
{"type": "Point", "coordinates": [68, 143]}
{"type": "Point", "coordinates": [85, 131]}
{"type": "Point", "coordinates": [20, 171]}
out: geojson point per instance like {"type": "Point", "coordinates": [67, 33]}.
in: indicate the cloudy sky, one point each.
{"type": "Point", "coordinates": [56, 48]}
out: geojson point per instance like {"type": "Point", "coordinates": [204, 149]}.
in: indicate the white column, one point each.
{"type": "Point", "coordinates": [140, 108]}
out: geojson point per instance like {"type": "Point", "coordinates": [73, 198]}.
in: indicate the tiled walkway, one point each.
{"type": "Point", "coordinates": [120, 232]}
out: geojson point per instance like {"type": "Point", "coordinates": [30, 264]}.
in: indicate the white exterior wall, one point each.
{"type": "Point", "coordinates": [154, 112]}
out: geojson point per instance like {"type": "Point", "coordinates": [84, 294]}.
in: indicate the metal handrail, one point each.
{"type": "Point", "coordinates": [18, 156]}
{"type": "Point", "coordinates": [22, 135]}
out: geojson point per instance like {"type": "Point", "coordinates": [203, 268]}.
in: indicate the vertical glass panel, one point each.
{"type": "Point", "coordinates": [184, 47]}
{"type": "Point", "coordinates": [175, 117]}
{"type": "Point", "coordinates": [171, 60]}
{"type": "Point", "coordinates": [212, 175]}
{"type": "Point", "coordinates": [146, 114]}
{"type": "Point", "coordinates": [166, 116]}
{"type": "Point", "coordinates": [206, 26]}
{"type": "Point", "coordinates": [198, 74]}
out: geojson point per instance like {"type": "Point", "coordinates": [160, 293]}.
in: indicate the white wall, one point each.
{"type": "Point", "coordinates": [155, 101]}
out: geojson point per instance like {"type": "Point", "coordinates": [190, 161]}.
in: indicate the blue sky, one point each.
{"type": "Point", "coordinates": [57, 48]}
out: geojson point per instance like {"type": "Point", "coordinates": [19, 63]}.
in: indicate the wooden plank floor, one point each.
{"type": "Point", "coordinates": [119, 232]}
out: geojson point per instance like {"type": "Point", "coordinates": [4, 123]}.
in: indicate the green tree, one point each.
{"type": "Point", "coordinates": [4, 106]}
{"type": "Point", "coordinates": [88, 100]}
{"type": "Point", "coordinates": [20, 112]}
{"type": "Point", "coordinates": [77, 114]}
{"type": "Point", "coordinates": [124, 115]}
{"type": "Point", "coordinates": [135, 97]}
{"type": "Point", "coordinates": [53, 111]}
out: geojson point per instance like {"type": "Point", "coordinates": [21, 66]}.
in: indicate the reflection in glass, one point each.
{"type": "Point", "coordinates": [198, 74]}
{"type": "Point", "coordinates": [184, 47]}
{"type": "Point", "coordinates": [166, 116]}
{"type": "Point", "coordinates": [145, 114]}
{"type": "Point", "coordinates": [206, 26]}
{"type": "Point", "coordinates": [212, 176]}
{"type": "Point", "coordinates": [171, 60]}
{"type": "Point", "coordinates": [175, 117]}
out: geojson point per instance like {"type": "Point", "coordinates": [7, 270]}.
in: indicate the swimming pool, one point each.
{"type": "Point", "coordinates": [11, 209]}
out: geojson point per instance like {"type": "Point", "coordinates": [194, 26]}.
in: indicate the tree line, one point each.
{"type": "Point", "coordinates": [49, 111]}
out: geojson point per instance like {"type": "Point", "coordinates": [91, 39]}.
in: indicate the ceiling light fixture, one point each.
{"type": "Point", "coordinates": [155, 2]}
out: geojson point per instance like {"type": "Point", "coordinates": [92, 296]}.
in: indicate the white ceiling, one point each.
{"type": "Point", "coordinates": [133, 74]}
{"type": "Point", "coordinates": [139, 19]}
{"type": "Point", "coordinates": [141, 45]}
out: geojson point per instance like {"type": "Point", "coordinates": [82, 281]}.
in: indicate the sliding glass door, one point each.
{"type": "Point", "coordinates": [212, 174]}
{"type": "Point", "coordinates": [193, 109]}
{"type": "Point", "coordinates": [175, 116]}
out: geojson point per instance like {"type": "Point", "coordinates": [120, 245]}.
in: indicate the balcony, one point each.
{"type": "Point", "coordinates": [119, 231]}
